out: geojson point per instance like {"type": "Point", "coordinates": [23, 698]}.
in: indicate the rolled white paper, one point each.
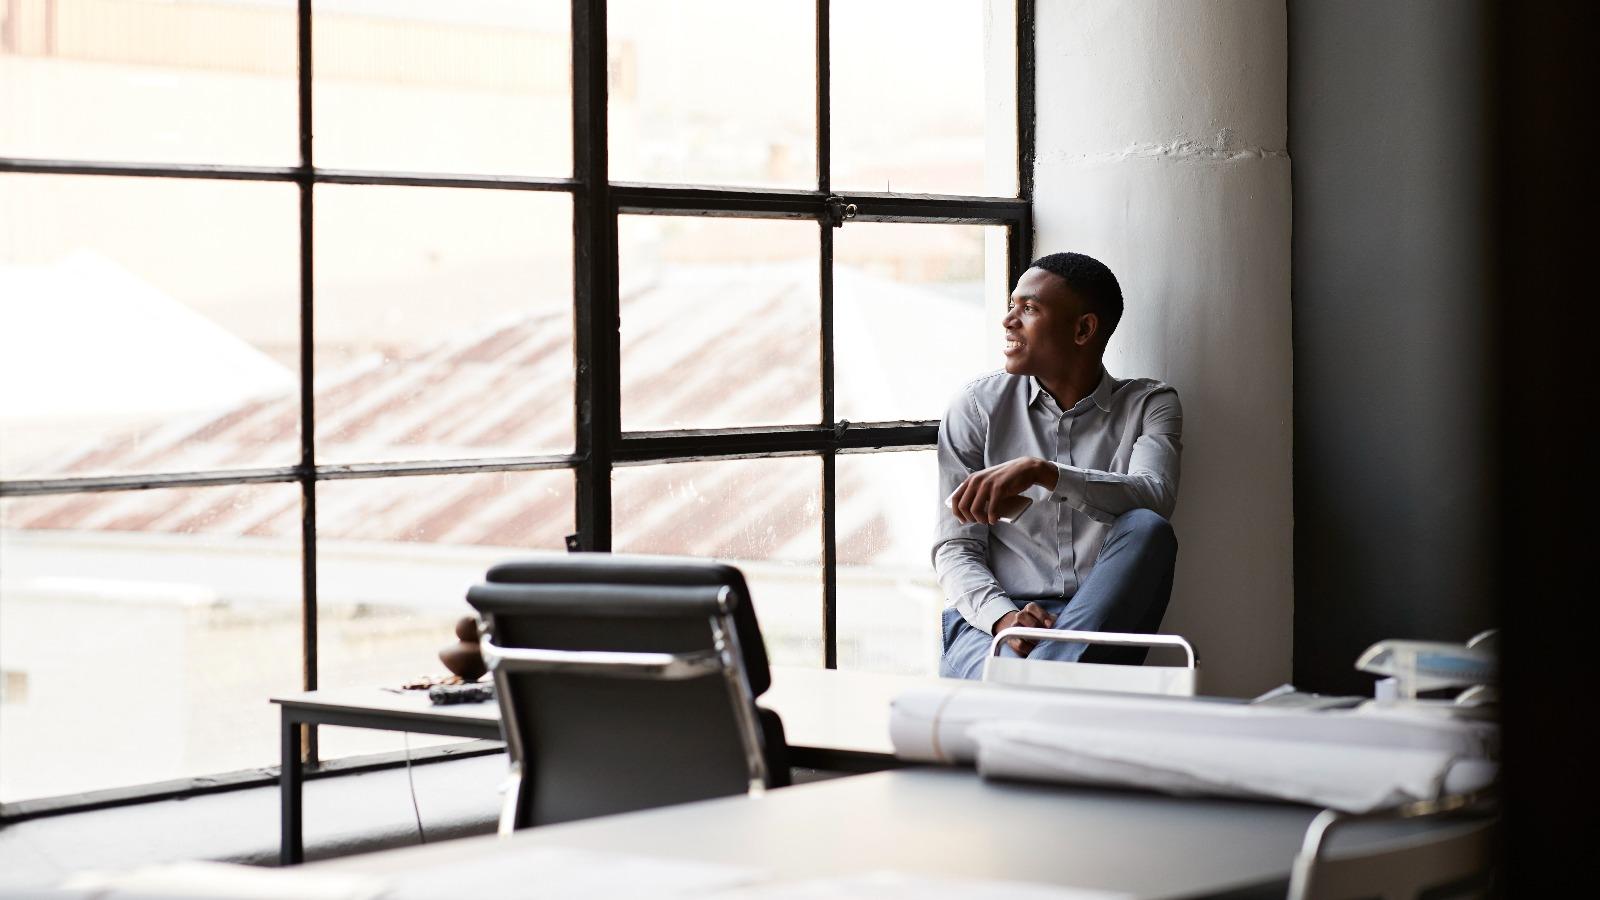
{"type": "Point", "coordinates": [933, 724]}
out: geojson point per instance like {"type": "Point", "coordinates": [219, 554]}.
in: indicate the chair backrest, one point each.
{"type": "Point", "coordinates": [624, 683]}
{"type": "Point", "coordinates": [1452, 855]}
{"type": "Point", "coordinates": [1174, 681]}
{"type": "Point", "coordinates": [618, 568]}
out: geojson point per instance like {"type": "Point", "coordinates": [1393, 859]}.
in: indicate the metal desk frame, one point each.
{"type": "Point", "coordinates": [384, 710]}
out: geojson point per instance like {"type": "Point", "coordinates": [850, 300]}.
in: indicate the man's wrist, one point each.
{"type": "Point", "coordinates": [989, 611]}
{"type": "Point", "coordinates": [1046, 474]}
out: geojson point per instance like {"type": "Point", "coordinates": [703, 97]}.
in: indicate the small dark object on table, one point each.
{"type": "Point", "coordinates": [446, 694]}
{"type": "Point", "coordinates": [464, 658]}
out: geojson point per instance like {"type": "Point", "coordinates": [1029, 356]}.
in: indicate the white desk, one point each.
{"type": "Point", "coordinates": [925, 822]}
{"type": "Point", "coordinates": [832, 720]}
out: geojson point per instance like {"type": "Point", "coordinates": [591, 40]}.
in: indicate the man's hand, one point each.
{"type": "Point", "coordinates": [978, 499]}
{"type": "Point", "coordinates": [1030, 616]}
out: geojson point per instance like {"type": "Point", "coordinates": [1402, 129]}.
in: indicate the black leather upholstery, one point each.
{"type": "Point", "coordinates": [615, 568]}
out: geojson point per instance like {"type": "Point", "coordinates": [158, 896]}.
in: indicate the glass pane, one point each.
{"type": "Point", "coordinates": [889, 602]}
{"type": "Point", "coordinates": [150, 81]}
{"type": "Point", "coordinates": [721, 322]}
{"type": "Point", "coordinates": [147, 325]}
{"type": "Point", "coordinates": [924, 96]}
{"type": "Point", "coordinates": [444, 323]}
{"type": "Point", "coordinates": [714, 92]}
{"type": "Point", "coordinates": [909, 321]}
{"type": "Point", "coordinates": [395, 557]}
{"type": "Point", "coordinates": [476, 86]}
{"type": "Point", "coordinates": [762, 515]}
{"type": "Point", "coordinates": [142, 633]}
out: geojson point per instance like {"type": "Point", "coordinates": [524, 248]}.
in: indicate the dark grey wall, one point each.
{"type": "Point", "coordinates": [1394, 532]}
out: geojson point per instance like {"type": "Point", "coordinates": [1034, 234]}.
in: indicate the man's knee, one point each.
{"type": "Point", "coordinates": [1149, 528]}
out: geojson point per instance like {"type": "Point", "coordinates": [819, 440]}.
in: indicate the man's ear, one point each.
{"type": "Point", "coordinates": [1088, 327]}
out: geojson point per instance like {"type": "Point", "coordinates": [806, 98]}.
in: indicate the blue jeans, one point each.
{"type": "Point", "coordinates": [1127, 590]}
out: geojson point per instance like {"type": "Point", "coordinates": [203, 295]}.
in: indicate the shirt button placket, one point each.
{"type": "Point", "coordinates": [1048, 409]}
{"type": "Point", "coordinates": [1068, 575]}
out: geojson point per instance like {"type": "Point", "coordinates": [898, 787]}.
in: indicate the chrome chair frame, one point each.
{"type": "Point", "coordinates": [1304, 874]}
{"type": "Point", "coordinates": [1116, 638]}
{"type": "Point", "coordinates": [724, 658]}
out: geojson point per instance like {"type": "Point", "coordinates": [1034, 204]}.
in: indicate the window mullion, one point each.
{"type": "Point", "coordinates": [595, 315]}
{"type": "Point", "coordinates": [1025, 109]}
{"type": "Point", "coordinates": [308, 453]}
{"type": "Point", "coordinates": [830, 537]}
{"type": "Point", "coordinates": [824, 100]}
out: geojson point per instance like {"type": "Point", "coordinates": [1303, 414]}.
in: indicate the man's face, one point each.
{"type": "Point", "coordinates": [1042, 325]}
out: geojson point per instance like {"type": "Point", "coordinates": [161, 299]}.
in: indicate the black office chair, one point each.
{"type": "Point", "coordinates": [626, 682]}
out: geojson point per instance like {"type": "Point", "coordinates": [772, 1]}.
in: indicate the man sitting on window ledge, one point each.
{"type": "Point", "coordinates": [1097, 455]}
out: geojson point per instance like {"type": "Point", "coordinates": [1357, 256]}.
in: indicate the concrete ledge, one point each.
{"type": "Point", "coordinates": [345, 814]}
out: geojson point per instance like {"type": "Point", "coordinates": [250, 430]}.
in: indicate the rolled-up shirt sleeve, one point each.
{"type": "Point", "coordinates": [1151, 481]}
{"type": "Point", "coordinates": [960, 552]}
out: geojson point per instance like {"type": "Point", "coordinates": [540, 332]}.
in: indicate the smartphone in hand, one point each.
{"type": "Point", "coordinates": [1011, 508]}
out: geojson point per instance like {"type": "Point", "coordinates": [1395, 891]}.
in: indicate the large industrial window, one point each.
{"type": "Point", "coordinates": [310, 312]}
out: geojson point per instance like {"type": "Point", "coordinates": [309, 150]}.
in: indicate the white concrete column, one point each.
{"type": "Point", "coordinates": [1162, 129]}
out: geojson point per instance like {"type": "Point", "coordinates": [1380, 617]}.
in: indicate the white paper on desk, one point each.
{"type": "Point", "coordinates": [1349, 777]}
{"type": "Point", "coordinates": [890, 885]}
{"type": "Point", "coordinates": [936, 724]}
{"type": "Point", "coordinates": [226, 881]}
{"type": "Point", "coordinates": [559, 873]}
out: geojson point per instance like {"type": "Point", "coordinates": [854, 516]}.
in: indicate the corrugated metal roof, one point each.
{"type": "Point", "coordinates": [703, 346]}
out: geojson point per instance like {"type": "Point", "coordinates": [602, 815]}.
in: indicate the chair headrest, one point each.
{"type": "Point", "coordinates": [581, 575]}
{"type": "Point", "coordinates": [604, 601]}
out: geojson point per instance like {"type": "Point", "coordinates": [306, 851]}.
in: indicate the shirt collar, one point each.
{"type": "Point", "coordinates": [1101, 393]}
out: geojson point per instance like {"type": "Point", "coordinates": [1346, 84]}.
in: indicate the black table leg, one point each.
{"type": "Point", "coordinates": [291, 850]}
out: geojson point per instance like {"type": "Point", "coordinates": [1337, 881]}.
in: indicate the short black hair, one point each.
{"type": "Point", "coordinates": [1091, 280]}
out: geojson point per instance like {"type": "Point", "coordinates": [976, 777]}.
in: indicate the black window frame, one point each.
{"type": "Point", "coordinates": [600, 443]}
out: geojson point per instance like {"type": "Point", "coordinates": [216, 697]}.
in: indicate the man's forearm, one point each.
{"type": "Point", "coordinates": [964, 575]}
{"type": "Point", "coordinates": [1114, 493]}
{"type": "Point", "coordinates": [1151, 481]}
{"type": "Point", "coordinates": [981, 496]}
{"type": "Point", "coordinates": [1103, 496]}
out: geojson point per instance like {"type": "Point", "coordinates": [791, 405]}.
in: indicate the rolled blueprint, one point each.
{"type": "Point", "coordinates": [1355, 760]}
{"type": "Point", "coordinates": [935, 724]}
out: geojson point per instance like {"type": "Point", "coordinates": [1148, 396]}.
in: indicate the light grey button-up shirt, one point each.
{"type": "Point", "coordinates": [1117, 450]}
